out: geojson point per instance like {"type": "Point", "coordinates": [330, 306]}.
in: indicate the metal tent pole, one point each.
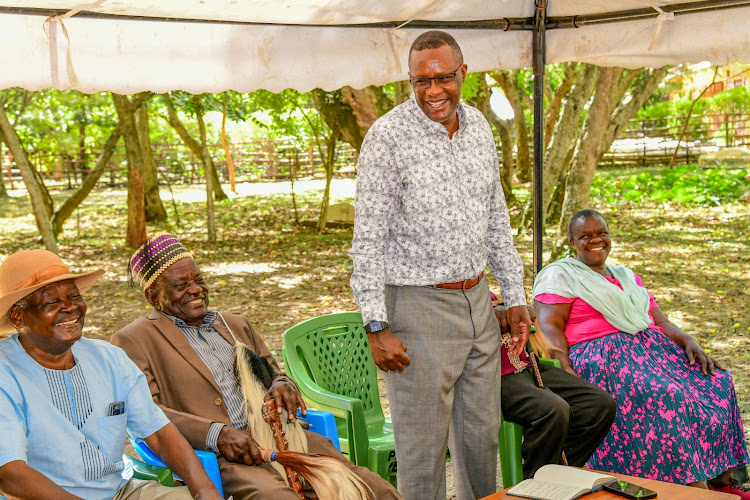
{"type": "Point", "coordinates": [539, 53]}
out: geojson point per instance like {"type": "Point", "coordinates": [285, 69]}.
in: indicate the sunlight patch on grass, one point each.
{"type": "Point", "coordinates": [287, 283]}
{"type": "Point", "coordinates": [246, 267]}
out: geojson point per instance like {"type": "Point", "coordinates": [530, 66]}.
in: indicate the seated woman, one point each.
{"type": "Point", "coordinates": [677, 417]}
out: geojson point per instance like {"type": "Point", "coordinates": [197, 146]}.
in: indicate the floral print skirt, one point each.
{"type": "Point", "coordinates": [673, 423]}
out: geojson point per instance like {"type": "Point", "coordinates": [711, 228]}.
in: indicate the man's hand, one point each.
{"type": "Point", "coordinates": [693, 351]}
{"type": "Point", "coordinates": [287, 397]}
{"type": "Point", "coordinates": [238, 446]}
{"type": "Point", "coordinates": [388, 352]}
{"type": "Point", "coordinates": [520, 326]}
{"type": "Point", "coordinates": [501, 313]}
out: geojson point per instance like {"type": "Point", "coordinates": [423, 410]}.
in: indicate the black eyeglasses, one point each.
{"type": "Point", "coordinates": [442, 80]}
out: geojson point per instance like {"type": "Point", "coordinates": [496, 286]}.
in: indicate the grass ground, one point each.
{"type": "Point", "coordinates": [694, 259]}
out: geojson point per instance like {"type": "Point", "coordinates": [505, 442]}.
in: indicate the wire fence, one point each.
{"type": "Point", "coordinates": [644, 143]}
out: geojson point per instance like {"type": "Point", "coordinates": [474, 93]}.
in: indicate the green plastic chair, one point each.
{"type": "Point", "coordinates": [511, 436]}
{"type": "Point", "coordinates": [329, 359]}
{"type": "Point", "coordinates": [141, 470]}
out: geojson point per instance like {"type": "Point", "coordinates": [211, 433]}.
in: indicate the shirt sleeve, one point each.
{"type": "Point", "coordinates": [212, 437]}
{"type": "Point", "coordinates": [551, 298]}
{"type": "Point", "coordinates": [12, 423]}
{"type": "Point", "coordinates": [375, 203]}
{"type": "Point", "coordinates": [505, 262]}
{"type": "Point", "coordinates": [144, 417]}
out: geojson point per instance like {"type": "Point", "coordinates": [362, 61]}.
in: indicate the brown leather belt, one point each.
{"type": "Point", "coordinates": [461, 285]}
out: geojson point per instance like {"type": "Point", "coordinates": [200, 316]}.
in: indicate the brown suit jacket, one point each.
{"type": "Point", "coordinates": [180, 382]}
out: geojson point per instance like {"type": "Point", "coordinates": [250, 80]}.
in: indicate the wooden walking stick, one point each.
{"type": "Point", "coordinates": [283, 444]}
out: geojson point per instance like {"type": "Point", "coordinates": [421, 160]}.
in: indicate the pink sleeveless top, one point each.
{"type": "Point", "coordinates": [585, 322]}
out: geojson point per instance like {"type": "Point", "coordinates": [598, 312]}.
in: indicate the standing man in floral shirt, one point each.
{"type": "Point", "coordinates": [430, 212]}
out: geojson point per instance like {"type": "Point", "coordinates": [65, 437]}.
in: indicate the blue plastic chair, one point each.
{"type": "Point", "coordinates": [207, 459]}
{"type": "Point", "coordinates": [321, 422]}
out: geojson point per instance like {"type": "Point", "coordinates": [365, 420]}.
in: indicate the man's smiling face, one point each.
{"type": "Point", "coordinates": [438, 102]}
{"type": "Point", "coordinates": [181, 292]}
{"type": "Point", "coordinates": [53, 318]}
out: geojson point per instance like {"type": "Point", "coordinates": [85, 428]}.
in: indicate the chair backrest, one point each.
{"type": "Point", "coordinates": [334, 351]}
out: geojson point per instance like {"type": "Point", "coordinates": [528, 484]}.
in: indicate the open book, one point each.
{"type": "Point", "coordinates": [557, 482]}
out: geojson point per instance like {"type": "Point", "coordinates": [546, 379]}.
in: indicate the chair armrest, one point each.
{"type": "Point", "coordinates": [551, 362]}
{"type": "Point", "coordinates": [207, 458]}
{"type": "Point", "coordinates": [348, 408]}
{"type": "Point", "coordinates": [323, 423]}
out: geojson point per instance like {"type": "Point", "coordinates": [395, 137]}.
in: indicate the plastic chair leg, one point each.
{"type": "Point", "coordinates": [511, 435]}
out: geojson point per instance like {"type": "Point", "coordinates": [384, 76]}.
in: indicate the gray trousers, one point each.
{"type": "Point", "coordinates": [449, 396]}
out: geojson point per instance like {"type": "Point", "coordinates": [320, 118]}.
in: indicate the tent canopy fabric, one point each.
{"type": "Point", "coordinates": [244, 45]}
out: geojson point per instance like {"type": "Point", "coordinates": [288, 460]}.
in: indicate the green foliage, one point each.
{"type": "Point", "coordinates": [736, 100]}
{"type": "Point", "coordinates": [60, 124]}
{"type": "Point", "coordinates": [472, 86]}
{"type": "Point", "coordinates": [687, 185]}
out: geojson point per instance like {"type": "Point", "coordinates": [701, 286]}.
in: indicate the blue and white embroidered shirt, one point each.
{"type": "Point", "coordinates": [429, 208]}
{"type": "Point", "coordinates": [58, 422]}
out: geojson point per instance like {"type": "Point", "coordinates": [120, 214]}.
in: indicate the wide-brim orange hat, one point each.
{"type": "Point", "coordinates": [25, 272]}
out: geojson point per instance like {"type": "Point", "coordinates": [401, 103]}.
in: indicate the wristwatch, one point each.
{"type": "Point", "coordinates": [376, 326]}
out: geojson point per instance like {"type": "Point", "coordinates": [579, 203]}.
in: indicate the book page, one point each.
{"type": "Point", "coordinates": [543, 490]}
{"type": "Point", "coordinates": [570, 475]}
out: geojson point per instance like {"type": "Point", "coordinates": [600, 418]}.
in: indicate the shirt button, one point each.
{"type": "Point", "coordinates": [218, 401]}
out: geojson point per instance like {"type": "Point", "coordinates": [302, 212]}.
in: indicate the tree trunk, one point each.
{"type": "Point", "coordinates": [3, 191]}
{"type": "Point", "coordinates": [592, 144]}
{"type": "Point", "coordinates": [194, 146]}
{"type": "Point", "coordinates": [75, 199]}
{"type": "Point", "coordinates": [403, 91]}
{"type": "Point", "coordinates": [227, 151]}
{"type": "Point", "coordinates": [330, 160]}
{"type": "Point", "coordinates": [508, 81]}
{"type": "Point", "coordinates": [638, 97]}
{"type": "Point", "coordinates": [566, 131]}
{"type": "Point", "coordinates": [482, 102]}
{"type": "Point", "coordinates": [155, 210]}
{"type": "Point", "coordinates": [83, 158]}
{"type": "Point", "coordinates": [553, 111]}
{"type": "Point", "coordinates": [136, 232]}
{"type": "Point", "coordinates": [340, 116]}
{"type": "Point", "coordinates": [36, 193]}
{"type": "Point", "coordinates": [362, 106]}
{"type": "Point", "coordinates": [555, 207]}
{"type": "Point", "coordinates": [211, 215]}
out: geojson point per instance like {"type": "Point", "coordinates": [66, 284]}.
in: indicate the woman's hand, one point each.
{"type": "Point", "coordinates": [693, 351]}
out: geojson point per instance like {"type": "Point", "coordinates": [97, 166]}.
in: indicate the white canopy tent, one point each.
{"type": "Point", "coordinates": [128, 46]}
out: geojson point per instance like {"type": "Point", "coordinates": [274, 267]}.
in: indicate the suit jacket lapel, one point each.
{"type": "Point", "coordinates": [174, 336]}
{"type": "Point", "coordinates": [220, 327]}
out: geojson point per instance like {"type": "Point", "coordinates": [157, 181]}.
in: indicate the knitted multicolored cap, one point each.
{"type": "Point", "coordinates": [153, 257]}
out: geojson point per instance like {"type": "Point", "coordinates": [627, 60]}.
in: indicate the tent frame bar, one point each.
{"type": "Point", "coordinates": [505, 24]}
{"type": "Point", "coordinates": [538, 63]}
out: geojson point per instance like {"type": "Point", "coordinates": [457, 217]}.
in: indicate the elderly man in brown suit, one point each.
{"type": "Point", "coordinates": [186, 351]}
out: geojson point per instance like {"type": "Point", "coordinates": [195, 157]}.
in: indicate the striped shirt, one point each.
{"type": "Point", "coordinates": [218, 355]}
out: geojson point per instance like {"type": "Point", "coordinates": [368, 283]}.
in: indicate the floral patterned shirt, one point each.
{"type": "Point", "coordinates": [429, 209]}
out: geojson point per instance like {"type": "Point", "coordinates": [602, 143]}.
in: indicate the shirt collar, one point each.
{"type": "Point", "coordinates": [208, 320]}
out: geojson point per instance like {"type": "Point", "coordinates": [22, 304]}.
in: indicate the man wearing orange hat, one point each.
{"type": "Point", "coordinates": [66, 401]}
